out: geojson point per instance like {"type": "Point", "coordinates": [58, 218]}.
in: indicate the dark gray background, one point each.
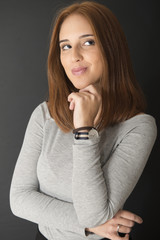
{"type": "Point", "coordinates": [24, 42]}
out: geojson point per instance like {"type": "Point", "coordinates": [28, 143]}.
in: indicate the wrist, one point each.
{"type": "Point", "coordinates": [84, 133]}
{"type": "Point", "coordinates": [82, 124]}
{"type": "Point", "coordinates": [86, 128]}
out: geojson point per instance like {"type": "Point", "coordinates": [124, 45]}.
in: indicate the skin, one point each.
{"type": "Point", "coordinates": [78, 50]}
{"type": "Point", "coordinates": [124, 219]}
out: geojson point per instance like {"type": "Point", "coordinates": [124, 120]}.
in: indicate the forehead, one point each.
{"type": "Point", "coordinates": [75, 25]}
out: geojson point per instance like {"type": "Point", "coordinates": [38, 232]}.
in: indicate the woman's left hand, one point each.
{"type": "Point", "coordinates": [86, 105]}
{"type": "Point", "coordinates": [124, 219]}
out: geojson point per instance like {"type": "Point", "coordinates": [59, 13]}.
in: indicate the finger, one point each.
{"type": "Point", "coordinates": [93, 95]}
{"type": "Point", "coordinates": [125, 222]}
{"type": "Point", "coordinates": [72, 105]}
{"type": "Point", "coordinates": [131, 216]}
{"type": "Point", "coordinates": [73, 97]}
{"type": "Point", "coordinates": [126, 237]}
{"type": "Point", "coordinates": [70, 97]}
{"type": "Point", "coordinates": [78, 96]}
{"type": "Point", "coordinates": [92, 89]}
{"type": "Point", "coordinates": [124, 229]}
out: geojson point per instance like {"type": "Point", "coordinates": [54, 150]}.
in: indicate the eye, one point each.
{"type": "Point", "coordinates": [89, 42]}
{"type": "Point", "coordinates": [65, 47]}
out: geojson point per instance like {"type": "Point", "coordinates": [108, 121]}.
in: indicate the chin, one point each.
{"type": "Point", "coordinates": [81, 85]}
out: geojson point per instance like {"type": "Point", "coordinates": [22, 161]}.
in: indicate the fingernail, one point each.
{"type": "Point", "coordinates": [141, 220]}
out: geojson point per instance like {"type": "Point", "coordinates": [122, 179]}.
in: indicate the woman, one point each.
{"type": "Point", "coordinates": [86, 147]}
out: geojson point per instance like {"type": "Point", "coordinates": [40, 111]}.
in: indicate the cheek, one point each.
{"type": "Point", "coordinates": [94, 57]}
{"type": "Point", "coordinates": [97, 63]}
{"type": "Point", "coordinates": [64, 63]}
{"type": "Point", "coordinates": [62, 60]}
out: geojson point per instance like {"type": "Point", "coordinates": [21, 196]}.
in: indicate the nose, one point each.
{"type": "Point", "coordinates": [76, 55]}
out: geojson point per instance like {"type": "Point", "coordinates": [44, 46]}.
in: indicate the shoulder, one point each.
{"type": "Point", "coordinates": [140, 128]}
{"type": "Point", "coordinates": [145, 123]}
{"type": "Point", "coordinates": [41, 113]}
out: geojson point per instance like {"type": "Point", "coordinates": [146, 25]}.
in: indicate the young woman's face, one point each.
{"type": "Point", "coordinates": [79, 53]}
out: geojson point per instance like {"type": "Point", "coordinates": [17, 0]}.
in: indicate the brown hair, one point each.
{"type": "Point", "coordinates": [122, 97]}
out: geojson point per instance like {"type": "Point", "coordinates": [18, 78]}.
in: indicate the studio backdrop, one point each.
{"type": "Point", "coordinates": [25, 28]}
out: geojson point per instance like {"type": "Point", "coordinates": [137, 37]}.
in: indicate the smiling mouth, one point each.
{"type": "Point", "coordinates": [79, 71]}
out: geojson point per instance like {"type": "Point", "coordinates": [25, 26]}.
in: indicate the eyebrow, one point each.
{"type": "Point", "coordinates": [82, 36]}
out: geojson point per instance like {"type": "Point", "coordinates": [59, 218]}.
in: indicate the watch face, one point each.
{"type": "Point", "coordinates": [93, 133]}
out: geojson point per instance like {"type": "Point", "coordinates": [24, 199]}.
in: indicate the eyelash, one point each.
{"type": "Point", "coordinates": [91, 41]}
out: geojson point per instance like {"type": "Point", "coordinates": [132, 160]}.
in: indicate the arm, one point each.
{"type": "Point", "coordinates": [98, 193]}
{"type": "Point", "coordinates": [25, 199]}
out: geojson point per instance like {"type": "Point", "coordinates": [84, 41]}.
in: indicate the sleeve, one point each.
{"type": "Point", "coordinates": [99, 192]}
{"type": "Point", "coordinates": [25, 199]}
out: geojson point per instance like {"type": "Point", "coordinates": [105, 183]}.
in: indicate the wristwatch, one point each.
{"type": "Point", "coordinates": [93, 133]}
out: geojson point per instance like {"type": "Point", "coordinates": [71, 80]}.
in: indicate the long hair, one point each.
{"type": "Point", "coordinates": [122, 97]}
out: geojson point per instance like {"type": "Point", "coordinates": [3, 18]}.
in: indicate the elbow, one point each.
{"type": "Point", "coordinates": [13, 209]}
{"type": "Point", "coordinates": [13, 200]}
{"type": "Point", "coordinates": [13, 206]}
{"type": "Point", "coordinates": [16, 199]}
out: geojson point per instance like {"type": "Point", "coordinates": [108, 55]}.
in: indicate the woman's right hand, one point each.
{"type": "Point", "coordinates": [124, 219]}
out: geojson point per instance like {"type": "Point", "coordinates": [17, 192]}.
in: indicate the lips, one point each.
{"type": "Point", "coordinates": [78, 70]}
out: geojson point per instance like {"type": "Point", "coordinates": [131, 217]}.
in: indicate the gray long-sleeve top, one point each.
{"type": "Point", "coordinates": [66, 185]}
